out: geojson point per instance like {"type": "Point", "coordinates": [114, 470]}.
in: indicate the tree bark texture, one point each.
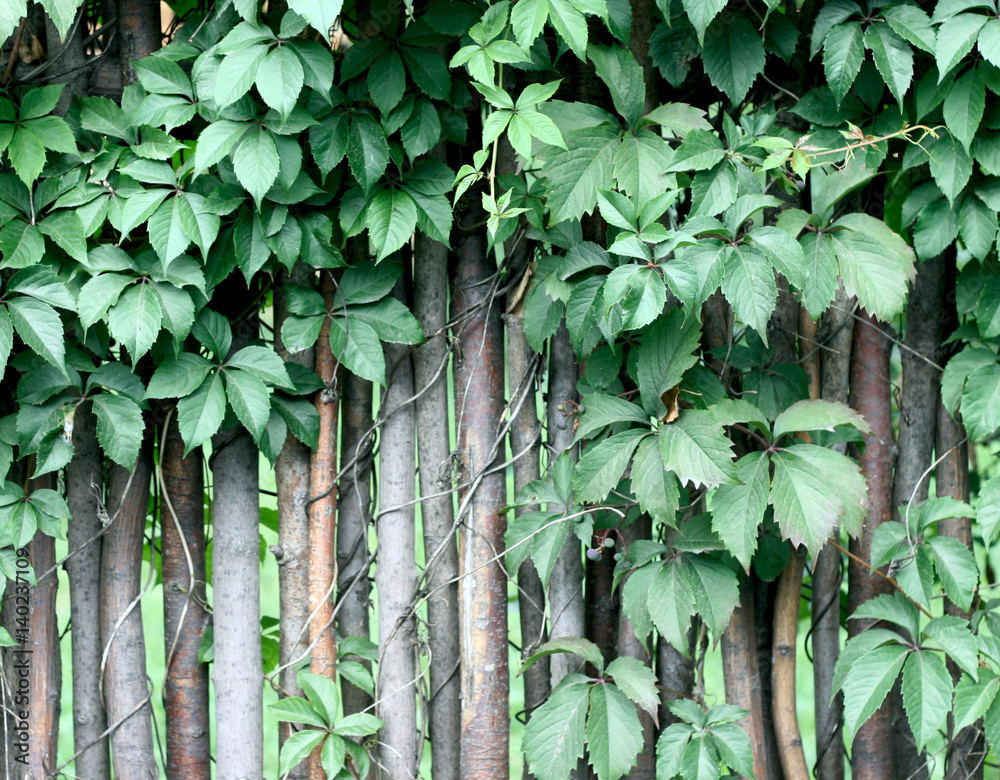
{"type": "Point", "coordinates": [566, 607]}
{"type": "Point", "coordinates": [479, 391]}
{"type": "Point", "coordinates": [786, 621]}
{"type": "Point", "coordinates": [742, 675]}
{"type": "Point", "coordinates": [140, 33]}
{"type": "Point", "coordinates": [237, 672]}
{"type": "Point", "coordinates": [396, 572]}
{"type": "Point", "coordinates": [525, 438]}
{"type": "Point", "coordinates": [291, 475]}
{"type": "Point", "coordinates": [354, 509]}
{"type": "Point", "coordinates": [430, 305]}
{"type": "Point", "coordinates": [627, 644]}
{"type": "Point", "coordinates": [836, 335]}
{"type": "Point", "coordinates": [72, 61]}
{"type": "Point", "coordinates": [183, 543]}
{"type": "Point", "coordinates": [125, 685]}
{"type": "Point", "coordinates": [873, 756]}
{"type": "Point", "coordinates": [83, 489]}
{"type": "Point", "coordinates": [45, 671]}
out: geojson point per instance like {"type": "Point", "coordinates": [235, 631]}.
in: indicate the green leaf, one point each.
{"type": "Point", "coordinates": [893, 608]}
{"type": "Point", "coordinates": [387, 81]}
{"type": "Point", "coordinates": [601, 467]}
{"type": "Point", "coordinates": [957, 569]}
{"type": "Point", "coordinates": [334, 755]}
{"type": "Point", "coordinates": [297, 747]}
{"type": "Point", "coordinates": [603, 410]}
{"type": "Point", "coordinates": [322, 693]}
{"type": "Point", "coordinates": [199, 415]}
{"type": "Point", "coordinates": [734, 747]}
{"type": "Point", "coordinates": [670, 602]}
{"type": "Point", "coordinates": [178, 377]}
{"type": "Point", "coordinates": [26, 152]}
{"type": "Point", "coordinates": [119, 428]}
{"type": "Point", "coordinates": [963, 108]}
{"type": "Point", "coordinates": [749, 286]}
{"type": "Point", "coordinates": [927, 690]}
{"type": "Point", "coordinates": [818, 416]}
{"type": "Point", "coordinates": [367, 151]}
{"type": "Point", "coordinates": [830, 14]}
{"type": "Point", "coordinates": [428, 71]}
{"type": "Point", "coordinates": [553, 738]}
{"type": "Point", "coordinates": [700, 150]}
{"type": "Point", "coordinates": [981, 401]}
{"type": "Point", "coordinates": [161, 76]}
{"type": "Point", "coordinates": [21, 244]}
{"type": "Point", "coordinates": [321, 14]}
{"type": "Point", "coordinates": [166, 233]}
{"type": "Point", "coordinates": [620, 71]}
{"type": "Point", "coordinates": [656, 489]}
{"type": "Point", "coordinates": [989, 41]}
{"type": "Point", "coordinates": [359, 349]}
{"type": "Point", "coordinates": [249, 398]}
{"type": "Point", "coordinates": [576, 174]}
{"type": "Point", "coordinates": [40, 328]}
{"type": "Point", "coordinates": [256, 162]}
{"type": "Point", "coordinates": [570, 24]}
{"type": "Point", "coordinates": [665, 353]}
{"type": "Point", "coordinates": [987, 514]}
{"type": "Point", "coordinates": [733, 55]}
{"type": "Point", "coordinates": [893, 58]}
{"type": "Point", "coordinates": [737, 510]}
{"type": "Point", "coordinates": [868, 682]}
{"type": "Point", "coordinates": [912, 24]}
{"type": "Point", "coordinates": [262, 363]}
{"type": "Point", "coordinates": [614, 733]}
{"type": "Point", "coordinates": [135, 320]}
{"type": "Point", "coordinates": [328, 140]}
{"type": "Point", "coordinates": [953, 634]}
{"type": "Point", "coordinates": [527, 20]}
{"type": "Point", "coordinates": [670, 749]}
{"type": "Point", "coordinates": [391, 320]}
{"type": "Point", "coordinates": [696, 448]}
{"type": "Point", "coordinates": [716, 591]}
{"type": "Point", "coordinates": [637, 681]}
{"type": "Point", "coordinates": [955, 39]}
{"type": "Point", "coordinates": [583, 648]}
{"type": "Point", "coordinates": [216, 141]}
{"type": "Point", "coordinates": [237, 72]}
{"type": "Point", "coordinates": [972, 699]}
{"type": "Point", "coordinates": [843, 53]}
{"type": "Point", "coordinates": [701, 13]}
{"type": "Point", "coordinates": [875, 264]}
{"type": "Point", "coordinates": [279, 79]}
{"type": "Point", "coordinates": [392, 218]}
{"type": "Point", "coordinates": [6, 340]}
{"type": "Point", "coordinates": [66, 230]}
{"type": "Point", "coordinates": [41, 282]}
{"type": "Point", "coordinates": [978, 224]}
{"type": "Point", "coordinates": [360, 724]}
{"type": "Point", "coordinates": [295, 709]}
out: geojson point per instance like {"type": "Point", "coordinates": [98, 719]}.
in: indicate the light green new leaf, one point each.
{"type": "Point", "coordinates": [733, 55]}
{"type": "Point", "coordinates": [637, 681]}
{"type": "Point", "coordinates": [601, 467]}
{"type": "Point", "coordinates": [199, 415]}
{"type": "Point", "coordinates": [988, 513]}
{"type": "Point", "coordinates": [321, 14]}
{"type": "Point", "coordinates": [963, 108]}
{"type": "Point", "coordinates": [570, 24]}
{"type": "Point", "coordinates": [614, 733]}
{"type": "Point", "coordinates": [40, 328]}
{"type": "Point", "coordinates": [553, 738]}
{"type": "Point", "coordinates": [972, 699]}
{"type": "Point", "coordinates": [927, 690]}
{"type": "Point", "coordinates": [256, 162]}
{"type": "Point", "coordinates": [737, 510]}
{"type": "Point", "coordinates": [527, 19]}
{"type": "Point", "coordinates": [843, 53]}
{"type": "Point", "coordinates": [818, 416]}
{"type": "Point", "coordinates": [119, 428]}
{"type": "Point", "coordinates": [868, 682]}
{"type": "Point", "coordinates": [701, 13]}
{"type": "Point", "coordinates": [957, 569]}
{"type": "Point", "coordinates": [955, 39]}
{"type": "Point", "coordinates": [135, 320]}
{"type": "Point", "coordinates": [696, 448]}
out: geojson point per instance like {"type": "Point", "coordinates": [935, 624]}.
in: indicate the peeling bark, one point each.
{"type": "Point", "coordinates": [83, 485]}
{"type": "Point", "coordinates": [873, 756]}
{"type": "Point", "coordinates": [479, 391]}
{"type": "Point", "coordinates": [125, 683]}
{"type": "Point", "coordinates": [185, 689]}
